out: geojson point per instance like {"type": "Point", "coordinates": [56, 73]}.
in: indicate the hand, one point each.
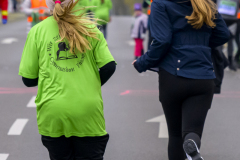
{"type": "Point", "coordinates": [110, 19]}
{"type": "Point", "coordinates": [35, 10]}
{"type": "Point", "coordinates": [134, 62]}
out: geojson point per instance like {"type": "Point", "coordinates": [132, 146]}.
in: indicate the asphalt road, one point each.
{"type": "Point", "coordinates": [130, 99]}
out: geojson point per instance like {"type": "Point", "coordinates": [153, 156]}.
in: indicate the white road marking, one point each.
{"type": "Point", "coordinates": [131, 43]}
{"type": "Point", "coordinates": [163, 130]}
{"type": "Point", "coordinates": [31, 103]}
{"type": "Point", "coordinates": [17, 127]}
{"type": "Point", "coordinates": [3, 156]}
{"type": "Point", "coordinates": [9, 40]}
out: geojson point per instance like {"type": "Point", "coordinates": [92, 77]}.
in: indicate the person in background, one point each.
{"type": "Point", "coordinates": [230, 47]}
{"type": "Point", "coordinates": [147, 4]}
{"type": "Point", "coordinates": [67, 57]}
{"type": "Point", "coordinates": [103, 12]}
{"type": "Point", "coordinates": [35, 9]}
{"type": "Point", "coordinates": [237, 56]}
{"type": "Point", "coordinates": [231, 20]}
{"type": "Point", "coordinates": [89, 5]}
{"type": "Point", "coordinates": [183, 34]}
{"type": "Point", "coordinates": [15, 5]}
{"type": "Point", "coordinates": [139, 29]}
{"type": "Point", "coordinates": [4, 8]}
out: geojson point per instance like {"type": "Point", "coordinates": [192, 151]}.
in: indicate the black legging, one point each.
{"type": "Point", "coordinates": [185, 103]}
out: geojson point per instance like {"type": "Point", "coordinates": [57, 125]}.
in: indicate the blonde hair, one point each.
{"type": "Point", "coordinates": [204, 11]}
{"type": "Point", "coordinates": [74, 28]}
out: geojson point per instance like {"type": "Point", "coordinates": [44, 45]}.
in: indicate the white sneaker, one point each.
{"type": "Point", "coordinates": [191, 150]}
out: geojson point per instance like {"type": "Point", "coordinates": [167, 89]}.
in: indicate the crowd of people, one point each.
{"type": "Point", "coordinates": [37, 10]}
{"type": "Point", "coordinates": [67, 57]}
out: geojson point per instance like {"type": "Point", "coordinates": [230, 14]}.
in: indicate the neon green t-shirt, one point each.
{"type": "Point", "coordinates": [103, 11]}
{"type": "Point", "coordinates": [87, 3]}
{"type": "Point", "coordinates": [69, 100]}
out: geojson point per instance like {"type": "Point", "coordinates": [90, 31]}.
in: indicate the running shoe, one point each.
{"type": "Point", "coordinates": [191, 150]}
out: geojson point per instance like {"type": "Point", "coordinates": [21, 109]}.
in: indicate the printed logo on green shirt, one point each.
{"type": "Point", "coordinates": [63, 54]}
{"type": "Point", "coordinates": [64, 47]}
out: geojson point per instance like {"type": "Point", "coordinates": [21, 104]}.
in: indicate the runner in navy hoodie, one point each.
{"type": "Point", "coordinates": [184, 31]}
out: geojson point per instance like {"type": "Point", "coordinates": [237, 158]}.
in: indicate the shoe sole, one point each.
{"type": "Point", "coordinates": [193, 151]}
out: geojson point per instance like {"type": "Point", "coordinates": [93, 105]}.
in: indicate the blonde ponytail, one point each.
{"type": "Point", "coordinates": [204, 11]}
{"type": "Point", "coordinates": [74, 28]}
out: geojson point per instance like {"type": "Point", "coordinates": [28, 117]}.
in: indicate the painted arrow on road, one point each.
{"type": "Point", "coordinates": [3, 156]}
{"type": "Point", "coordinates": [131, 43]}
{"type": "Point", "coordinates": [31, 103]}
{"type": "Point", "coordinates": [9, 40]}
{"type": "Point", "coordinates": [163, 130]}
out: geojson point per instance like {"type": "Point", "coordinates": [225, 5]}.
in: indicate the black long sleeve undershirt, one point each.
{"type": "Point", "coordinates": [30, 82]}
{"type": "Point", "coordinates": [105, 73]}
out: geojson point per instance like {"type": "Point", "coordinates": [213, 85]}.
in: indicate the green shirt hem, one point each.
{"type": "Point", "coordinates": [55, 135]}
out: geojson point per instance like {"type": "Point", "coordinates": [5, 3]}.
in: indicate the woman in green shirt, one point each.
{"type": "Point", "coordinates": [63, 55]}
{"type": "Point", "coordinates": [89, 5]}
{"type": "Point", "coordinates": [103, 12]}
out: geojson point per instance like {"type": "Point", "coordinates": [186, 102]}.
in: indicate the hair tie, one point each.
{"type": "Point", "coordinates": [58, 2]}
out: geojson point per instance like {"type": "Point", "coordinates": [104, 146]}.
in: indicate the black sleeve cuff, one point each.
{"type": "Point", "coordinates": [30, 82]}
{"type": "Point", "coordinates": [107, 71]}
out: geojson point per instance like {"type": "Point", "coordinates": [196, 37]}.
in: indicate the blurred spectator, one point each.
{"type": "Point", "coordinates": [147, 4]}
{"type": "Point", "coordinates": [89, 5]}
{"type": "Point", "coordinates": [230, 10]}
{"type": "Point", "coordinates": [237, 57]}
{"type": "Point", "coordinates": [33, 9]}
{"type": "Point", "coordinates": [220, 62]}
{"type": "Point", "coordinates": [139, 29]}
{"type": "Point", "coordinates": [14, 5]}
{"type": "Point", "coordinates": [4, 8]}
{"type": "Point", "coordinates": [103, 12]}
